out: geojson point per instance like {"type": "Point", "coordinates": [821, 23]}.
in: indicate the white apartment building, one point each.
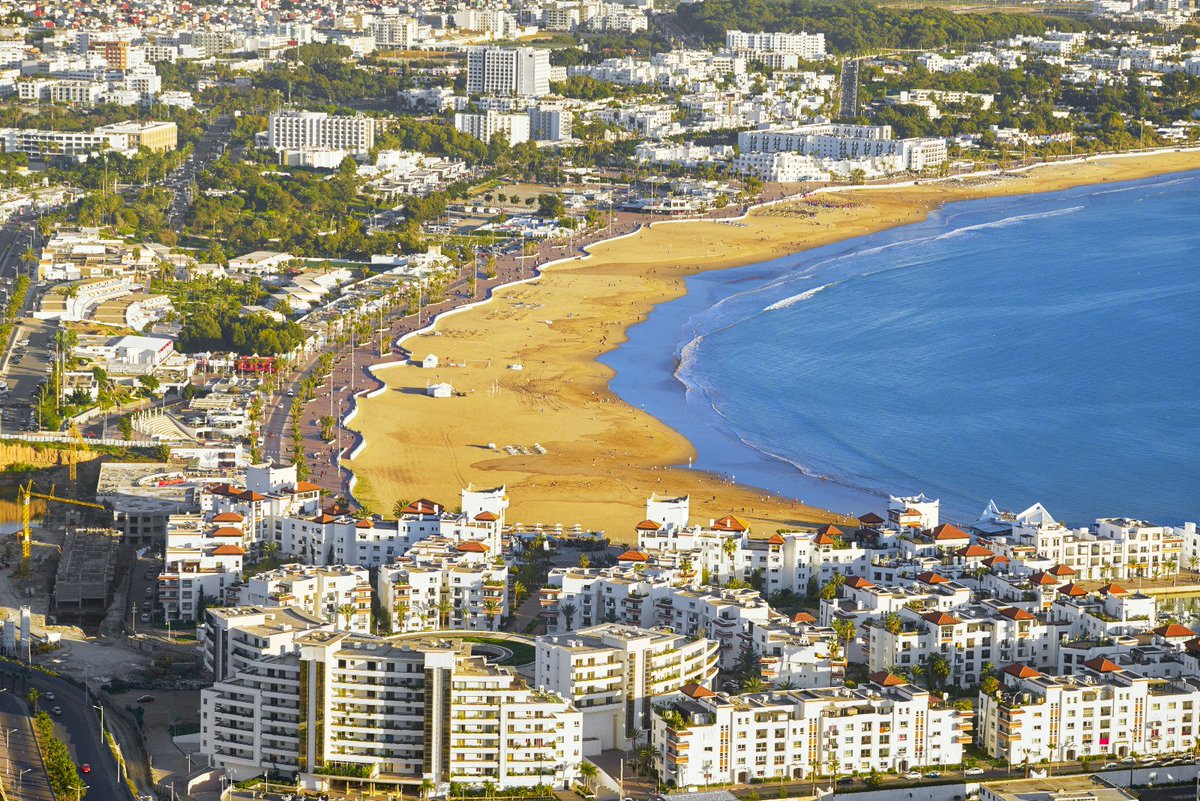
{"type": "Point", "coordinates": [307, 130]}
{"type": "Point", "coordinates": [796, 653]}
{"type": "Point", "coordinates": [838, 142]}
{"type": "Point", "coordinates": [443, 584]}
{"type": "Point", "coordinates": [549, 123]}
{"type": "Point", "coordinates": [1111, 548]}
{"type": "Point", "coordinates": [393, 711]}
{"type": "Point", "coordinates": [1100, 709]}
{"type": "Point", "coordinates": [234, 639]}
{"type": "Point", "coordinates": [968, 639]}
{"type": "Point", "coordinates": [508, 71]}
{"type": "Point", "coordinates": [808, 46]}
{"type": "Point", "coordinates": [512, 128]}
{"type": "Point", "coordinates": [203, 557]}
{"type": "Point", "coordinates": [612, 672]}
{"type": "Point", "coordinates": [289, 514]}
{"type": "Point", "coordinates": [652, 598]}
{"type": "Point", "coordinates": [701, 737]}
{"type": "Point", "coordinates": [395, 33]}
{"type": "Point", "coordinates": [339, 594]}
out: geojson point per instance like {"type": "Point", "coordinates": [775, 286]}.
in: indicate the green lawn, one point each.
{"type": "Point", "coordinates": [522, 653]}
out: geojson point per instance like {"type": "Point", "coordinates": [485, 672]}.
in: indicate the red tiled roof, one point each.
{"type": "Point", "coordinates": [728, 523]}
{"type": "Point", "coordinates": [1017, 613]}
{"type": "Point", "coordinates": [870, 519]}
{"type": "Point", "coordinates": [252, 496]}
{"type": "Point", "coordinates": [223, 489]}
{"type": "Point", "coordinates": [632, 556]}
{"type": "Point", "coordinates": [1113, 588]}
{"type": "Point", "coordinates": [228, 517]}
{"type": "Point", "coordinates": [305, 486]}
{"type": "Point", "coordinates": [1102, 665]}
{"type": "Point", "coordinates": [998, 559]}
{"type": "Point", "coordinates": [694, 690]}
{"type": "Point", "coordinates": [1043, 579]}
{"type": "Point", "coordinates": [487, 517]}
{"type": "Point", "coordinates": [776, 539]}
{"type": "Point", "coordinates": [422, 506]}
{"type": "Point", "coordinates": [471, 546]}
{"type": "Point", "coordinates": [647, 525]}
{"type": "Point", "coordinates": [940, 618]}
{"type": "Point", "coordinates": [1072, 590]}
{"type": "Point", "coordinates": [803, 617]}
{"type": "Point", "coordinates": [858, 583]}
{"type": "Point", "coordinates": [364, 523]}
{"type": "Point", "coordinates": [1172, 630]}
{"type": "Point", "coordinates": [1061, 570]}
{"type": "Point", "coordinates": [1021, 671]}
{"type": "Point", "coordinates": [324, 518]}
{"type": "Point", "coordinates": [823, 539]}
{"type": "Point", "coordinates": [929, 577]}
{"type": "Point", "coordinates": [886, 678]}
{"type": "Point", "coordinates": [1193, 645]}
{"type": "Point", "coordinates": [973, 552]}
{"type": "Point", "coordinates": [831, 531]}
{"type": "Point", "coordinates": [227, 531]}
{"type": "Point", "coordinates": [228, 550]}
{"type": "Point", "coordinates": [949, 531]}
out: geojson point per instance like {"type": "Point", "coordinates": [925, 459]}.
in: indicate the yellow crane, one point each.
{"type": "Point", "coordinates": [26, 494]}
{"type": "Point", "coordinates": [78, 446]}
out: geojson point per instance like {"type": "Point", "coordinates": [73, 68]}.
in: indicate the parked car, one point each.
{"type": "Point", "coordinates": [49, 695]}
{"type": "Point", "coordinates": [933, 774]}
{"type": "Point", "coordinates": [85, 768]}
{"type": "Point", "coordinates": [974, 772]}
{"type": "Point", "coordinates": [846, 780]}
{"type": "Point", "coordinates": [57, 710]}
{"type": "Point", "coordinates": [912, 775]}
{"type": "Point", "coordinates": [145, 699]}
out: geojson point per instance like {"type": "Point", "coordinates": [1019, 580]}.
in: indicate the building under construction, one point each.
{"type": "Point", "coordinates": [87, 572]}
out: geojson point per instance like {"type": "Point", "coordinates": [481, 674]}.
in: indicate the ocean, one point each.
{"type": "Point", "coordinates": [1041, 348]}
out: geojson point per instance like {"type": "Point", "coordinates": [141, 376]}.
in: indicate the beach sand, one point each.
{"type": "Point", "coordinates": [603, 457]}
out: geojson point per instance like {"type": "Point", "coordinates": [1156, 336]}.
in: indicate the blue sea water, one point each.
{"type": "Point", "coordinates": [1034, 348]}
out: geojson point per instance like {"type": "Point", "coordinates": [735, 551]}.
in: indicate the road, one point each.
{"type": "Point", "coordinates": [848, 108]}
{"type": "Point", "coordinates": [78, 726]}
{"type": "Point", "coordinates": [182, 180]}
{"type": "Point", "coordinates": [21, 753]}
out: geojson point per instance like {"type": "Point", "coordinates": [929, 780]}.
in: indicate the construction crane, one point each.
{"type": "Point", "coordinates": [78, 445]}
{"type": "Point", "coordinates": [25, 494]}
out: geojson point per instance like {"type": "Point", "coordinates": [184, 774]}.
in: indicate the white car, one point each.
{"type": "Point", "coordinates": [974, 772]}
{"type": "Point", "coordinates": [914, 776]}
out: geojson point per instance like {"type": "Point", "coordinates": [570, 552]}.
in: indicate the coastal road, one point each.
{"type": "Point", "coordinates": [21, 770]}
{"type": "Point", "coordinates": [78, 726]}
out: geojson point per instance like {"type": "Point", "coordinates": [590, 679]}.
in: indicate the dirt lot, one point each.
{"type": "Point", "coordinates": [169, 708]}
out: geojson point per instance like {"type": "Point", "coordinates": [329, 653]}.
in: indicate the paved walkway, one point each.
{"type": "Point", "coordinates": [21, 770]}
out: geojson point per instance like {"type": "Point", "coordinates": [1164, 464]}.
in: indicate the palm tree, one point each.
{"type": "Point", "coordinates": [347, 611]}
{"type": "Point", "coordinates": [584, 561]}
{"type": "Point", "coordinates": [491, 608]}
{"type": "Point", "coordinates": [588, 771]}
{"type": "Point", "coordinates": [729, 548]}
{"type": "Point", "coordinates": [1193, 562]}
{"type": "Point", "coordinates": [444, 609]}
{"type": "Point", "coordinates": [270, 549]}
{"type": "Point", "coordinates": [518, 593]}
{"type": "Point", "coordinates": [426, 788]}
{"type": "Point", "coordinates": [401, 616]}
{"type": "Point", "coordinates": [568, 611]}
{"type": "Point", "coordinates": [1172, 566]}
{"type": "Point", "coordinates": [33, 696]}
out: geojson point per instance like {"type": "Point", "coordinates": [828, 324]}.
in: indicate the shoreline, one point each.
{"type": "Point", "coordinates": [605, 457]}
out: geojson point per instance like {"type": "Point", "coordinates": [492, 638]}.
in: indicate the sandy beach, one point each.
{"type": "Point", "coordinates": [603, 457]}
